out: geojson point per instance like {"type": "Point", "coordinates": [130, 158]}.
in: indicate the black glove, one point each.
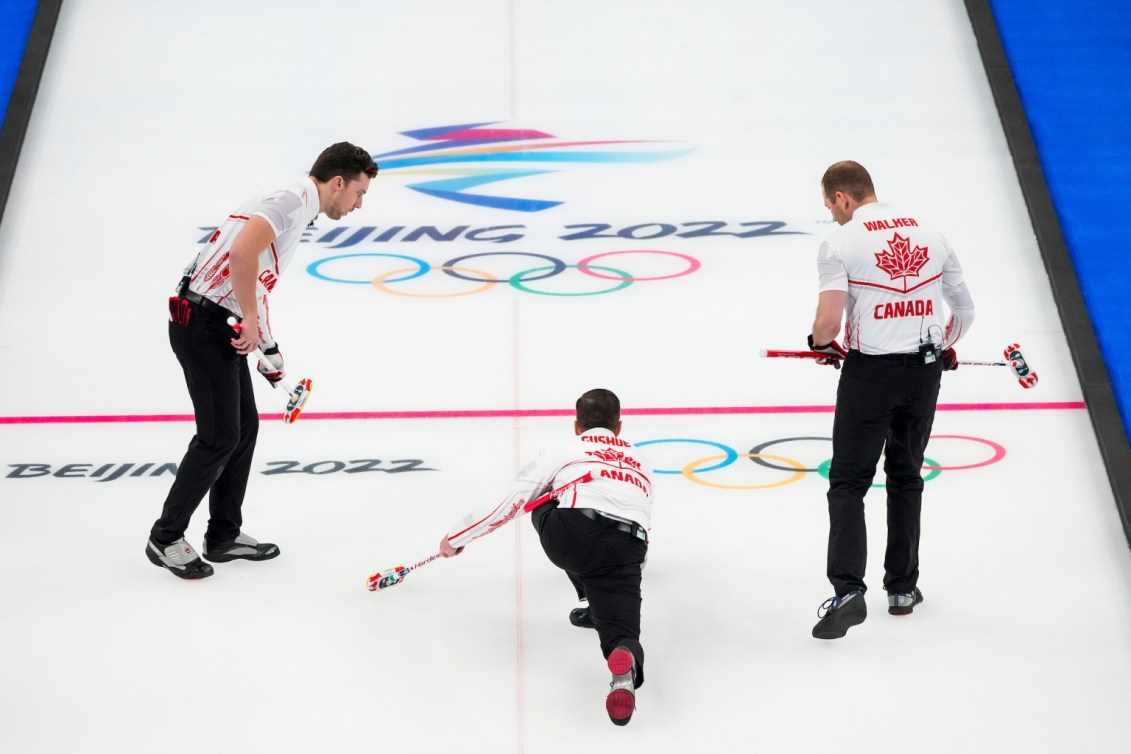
{"type": "Point", "coordinates": [835, 353]}
{"type": "Point", "coordinates": [949, 359]}
{"type": "Point", "coordinates": [272, 368]}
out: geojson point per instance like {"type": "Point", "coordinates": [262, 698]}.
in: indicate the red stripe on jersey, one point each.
{"type": "Point", "coordinates": [275, 255]}
{"type": "Point", "coordinates": [460, 533]}
{"type": "Point", "coordinates": [866, 284]}
{"type": "Point", "coordinates": [573, 501]}
{"type": "Point", "coordinates": [245, 218]}
{"type": "Point", "coordinates": [953, 331]}
{"type": "Point", "coordinates": [265, 325]}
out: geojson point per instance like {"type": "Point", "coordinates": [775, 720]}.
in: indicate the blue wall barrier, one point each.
{"type": "Point", "coordinates": [1071, 63]}
{"type": "Point", "coordinates": [17, 16]}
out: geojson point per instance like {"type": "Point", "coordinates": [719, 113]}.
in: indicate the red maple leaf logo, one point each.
{"type": "Point", "coordinates": [901, 261]}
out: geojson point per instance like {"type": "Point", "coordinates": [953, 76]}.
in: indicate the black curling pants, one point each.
{"type": "Point", "coordinates": [218, 460]}
{"type": "Point", "coordinates": [604, 565]}
{"type": "Point", "coordinates": [884, 405]}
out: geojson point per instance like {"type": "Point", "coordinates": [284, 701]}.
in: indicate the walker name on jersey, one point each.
{"type": "Point", "coordinates": [342, 236]}
{"type": "Point", "coordinates": [109, 472]}
{"type": "Point", "coordinates": [893, 224]}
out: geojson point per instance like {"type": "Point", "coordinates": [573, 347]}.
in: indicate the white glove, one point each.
{"type": "Point", "coordinates": [271, 365]}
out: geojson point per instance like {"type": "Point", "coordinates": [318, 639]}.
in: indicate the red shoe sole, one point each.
{"type": "Point", "coordinates": [620, 661]}
{"type": "Point", "coordinates": [620, 705]}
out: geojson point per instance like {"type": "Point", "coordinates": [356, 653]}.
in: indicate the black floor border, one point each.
{"type": "Point", "coordinates": [1090, 367]}
{"type": "Point", "coordinates": [26, 86]}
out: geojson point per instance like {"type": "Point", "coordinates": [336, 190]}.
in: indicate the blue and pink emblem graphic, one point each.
{"type": "Point", "coordinates": [464, 157]}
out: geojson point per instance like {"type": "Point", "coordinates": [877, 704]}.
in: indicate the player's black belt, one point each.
{"type": "Point", "coordinates": [905, 359]}
{"type": "Point", "coordinates": [207, 304]}
{"type": "Point", "coordinates": [630, 527]}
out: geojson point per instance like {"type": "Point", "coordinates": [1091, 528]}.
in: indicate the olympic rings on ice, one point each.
{"type": "Point", "coordinates": [689, 472]}
{"type": "Point", "coordinates": [692, 264]}
{"type": "Point", "coordinates": [337, 269]}
{"type": "Point", "coordinates": [383, 278]}
{"type": "Point", "coordinates": [315, 268]}
{"type": "Point", "coordinates": [999, 453]}
{"type": "Point", "coordinates": [695, 469]}
{"type": "Point", "coordinates": [556, 265]}
{"type": "Point", "coordinates": [626, 280]}
{"type": "Point", "coordinates": [930, 464]}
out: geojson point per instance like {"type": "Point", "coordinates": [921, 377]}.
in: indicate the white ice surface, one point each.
{"type": "Point", "coordinates": [154, 118]}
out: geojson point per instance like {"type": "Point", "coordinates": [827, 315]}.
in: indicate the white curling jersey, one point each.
{"type": "Point", "coordinates": [898, 274]}
{"type": "Point", "coordinates": [618, 482]}
{"type": "Point", "coordinates": [288, 210]}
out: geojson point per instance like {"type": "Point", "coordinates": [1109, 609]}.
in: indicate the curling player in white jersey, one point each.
{"type": "Point", "coordinates": [232, 277]}
{"type": "Point", "coordinates": [595, 529]}
{"type": "Point", "coordinates": [886, 275]}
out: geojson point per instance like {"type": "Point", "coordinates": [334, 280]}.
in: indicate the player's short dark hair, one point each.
{"type": "Point", "coordinates": [598, 408]}
{"type": "Point", "coordinates": [343, 159]}
{"type": "Point", "coordinates": [850, 178]}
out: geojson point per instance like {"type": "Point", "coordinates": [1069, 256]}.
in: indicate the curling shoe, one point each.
{"type": "Point", "coordinates": [179, 558]}
{"type": "Point", "coordinates": [840, 614]}
{"type": "Point", "coordinates": [621, 701]}
{"type": "Point", "coordinates": [242, 547]}
{"type": "Point", "coordinates": [579, 616]}
{"type": "Point", "coordinates": [904, 604]}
